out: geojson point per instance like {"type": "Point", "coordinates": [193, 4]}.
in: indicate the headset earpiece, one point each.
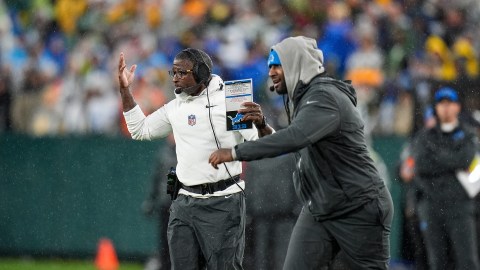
{"type": "Point", "coordinates": [201, 72]}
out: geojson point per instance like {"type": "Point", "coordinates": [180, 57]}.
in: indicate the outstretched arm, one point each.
{"type": "Point", "coordinates": [312, 122]}
{"type": "Point", "coordinates": [125, 79]}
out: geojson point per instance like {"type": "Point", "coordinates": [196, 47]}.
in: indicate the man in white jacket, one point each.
{"type": "Point", "coordinates": [207, 220]}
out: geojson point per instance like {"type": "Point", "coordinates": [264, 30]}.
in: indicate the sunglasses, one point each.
{"type": "Point", "coordinates": [179, 73]}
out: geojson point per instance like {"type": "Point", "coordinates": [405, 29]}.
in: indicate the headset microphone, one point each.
{"type": "Point", "coordinates": [188, 90]}
{"type": "Point", "coordinates": [272, 88]}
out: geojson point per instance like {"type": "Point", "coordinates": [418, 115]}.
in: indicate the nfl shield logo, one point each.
{"type": "Point", "coordinates": [192, 120]}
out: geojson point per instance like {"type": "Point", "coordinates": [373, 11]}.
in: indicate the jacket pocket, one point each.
{"type": "Point", "coordinates": [385, 208]}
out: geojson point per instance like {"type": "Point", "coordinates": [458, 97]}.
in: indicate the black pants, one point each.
{"type": "Point", "coordinates": [449, 224]}
{"type": "Point", "coordinates": [207, 232]}
{"type": "Point", "coordinates": [362, 236]}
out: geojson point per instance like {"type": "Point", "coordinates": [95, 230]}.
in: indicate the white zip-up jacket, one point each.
{"type": "Point", "coordinates": [188, 118]}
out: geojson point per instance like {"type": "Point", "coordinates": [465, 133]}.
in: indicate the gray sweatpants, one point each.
{"type": "Point", "coordinates": [362, 236]}
{"type": "Point", "coordinates": [207, 232]}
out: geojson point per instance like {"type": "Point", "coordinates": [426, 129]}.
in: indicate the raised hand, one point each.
{"type": "Point", "coordinates": [125, 76]}
{"type": "Point", "coordinates": [125, 79]}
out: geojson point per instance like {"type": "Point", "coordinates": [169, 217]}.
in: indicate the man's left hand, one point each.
{"type": "Point", "coordinates": [220, 156]}
{"type": "Point", "coordinates": [252, 111]}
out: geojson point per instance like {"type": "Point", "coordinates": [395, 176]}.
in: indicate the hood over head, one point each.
{"type": "Point", "coordinates": [301, 61]}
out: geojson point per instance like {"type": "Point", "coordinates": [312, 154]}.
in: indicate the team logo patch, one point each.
{"type": "Point", "coordinates": [458, 135]}
{"type": "Point", "coordinates": [192, 119]}
{"type": "Point", "coordinates": [236, 119]}
{"type": "Point", "coordinates": [271, 59]}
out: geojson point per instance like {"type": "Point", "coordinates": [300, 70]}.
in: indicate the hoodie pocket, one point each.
{"type": "Point", "coordinates": [385, 208]}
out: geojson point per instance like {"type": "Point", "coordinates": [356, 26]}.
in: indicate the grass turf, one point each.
{"type": "Point", "coordinates": [57, 264]}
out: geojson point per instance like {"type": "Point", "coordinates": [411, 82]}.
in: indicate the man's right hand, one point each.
{"type": "Point", "coordinates": [125, 76]}
{"type": "Point", "coordinates": [220, 156]}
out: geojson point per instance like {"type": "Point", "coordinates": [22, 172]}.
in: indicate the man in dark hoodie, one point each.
{"type": "Point", "coordinates": [346, 205]}
{"type": "Point", "coordinates": [446, 212]}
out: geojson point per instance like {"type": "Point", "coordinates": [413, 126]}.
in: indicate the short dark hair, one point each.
{"type": "Point", "coordinates": [186, 55]}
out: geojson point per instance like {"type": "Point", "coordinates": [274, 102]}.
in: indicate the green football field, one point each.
{"type": "Point", "coordinates": [57, 264]}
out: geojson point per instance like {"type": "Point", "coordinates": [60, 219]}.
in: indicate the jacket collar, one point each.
{"type": "Point", "coordinates": [215, 84]}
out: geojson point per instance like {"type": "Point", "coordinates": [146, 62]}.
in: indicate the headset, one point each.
{"type": "Point", "coordinates": [201, 71]}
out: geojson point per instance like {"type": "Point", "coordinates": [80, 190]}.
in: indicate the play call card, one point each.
{"type": "Point", "coordinates": [236, 93]}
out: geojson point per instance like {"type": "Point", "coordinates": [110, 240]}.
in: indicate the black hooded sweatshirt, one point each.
{"type": "Point", "coordinates": [438, 157]}
{"type": "Point", "coordinates": [335, 174]}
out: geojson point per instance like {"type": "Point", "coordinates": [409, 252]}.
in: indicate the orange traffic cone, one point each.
{"type": "Point", "coordinates": [106, 256]}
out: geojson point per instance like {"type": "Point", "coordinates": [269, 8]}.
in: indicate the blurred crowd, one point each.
{"type": "Point", "coordinates": [58, 58]}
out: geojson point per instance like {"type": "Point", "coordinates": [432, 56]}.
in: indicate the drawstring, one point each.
{"type": "Point", "coordinates": [287, 107]}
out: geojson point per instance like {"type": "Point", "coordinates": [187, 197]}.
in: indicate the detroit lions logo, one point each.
{"type": "Point", "coordinates": [236, 119]}
{"type": "Point", "coordinates": [270, 58]}
{"type": "Point", "coordinates": [459, 135]}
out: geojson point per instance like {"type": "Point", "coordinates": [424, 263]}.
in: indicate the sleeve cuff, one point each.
{"type": "Point", "coordinates": [132, 111]}
{"type": "Point", "coordinates": [234, 154]}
